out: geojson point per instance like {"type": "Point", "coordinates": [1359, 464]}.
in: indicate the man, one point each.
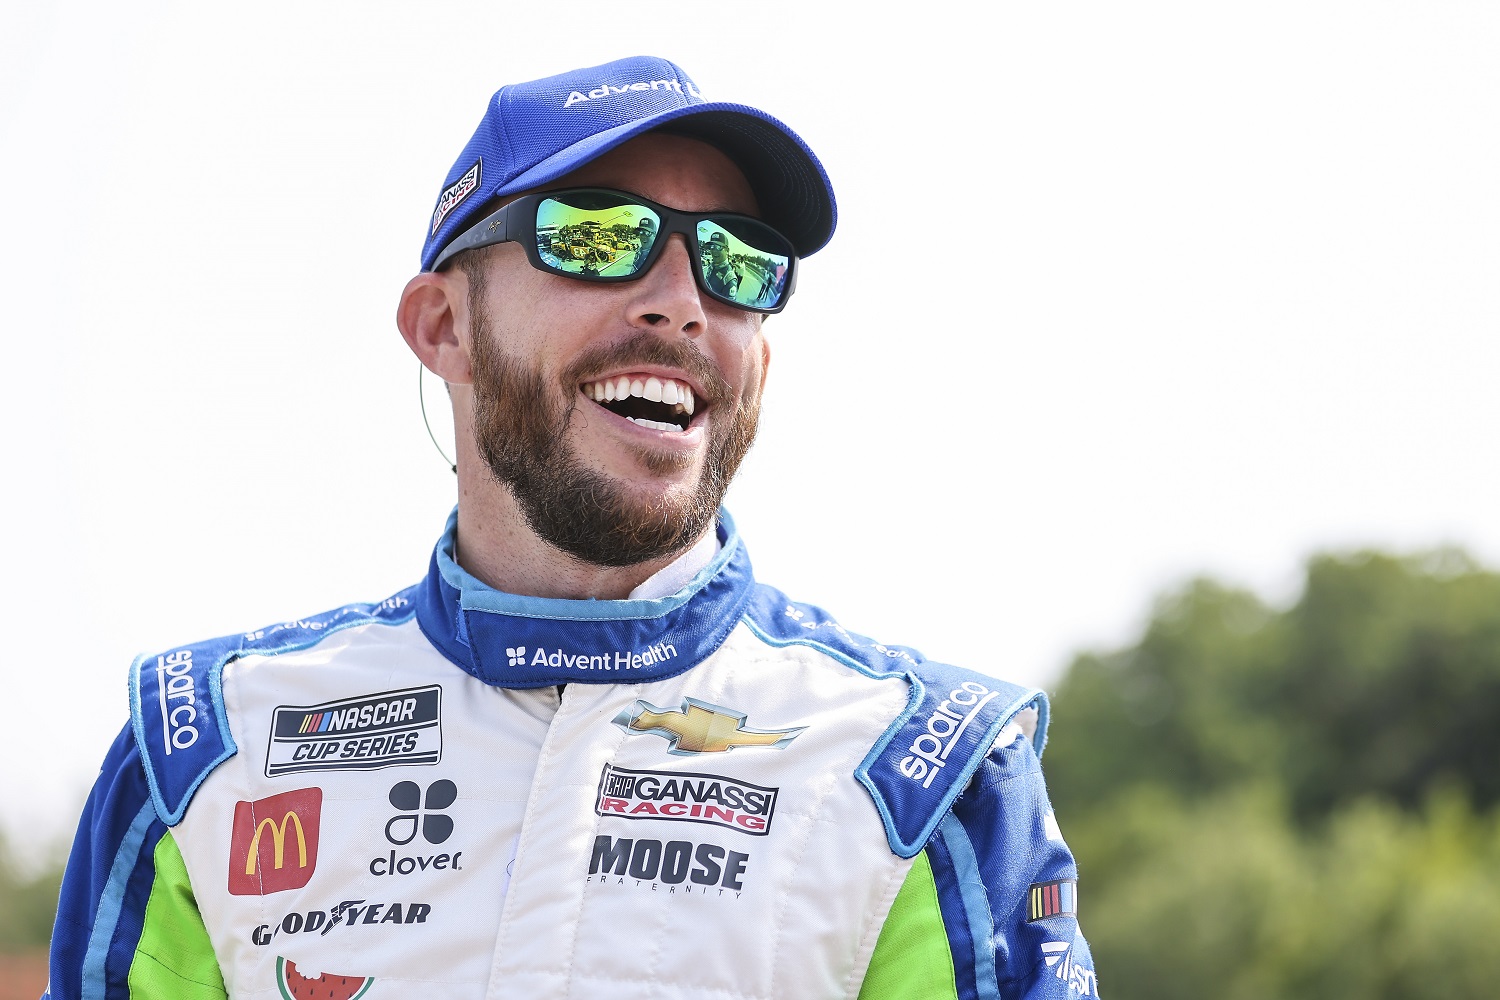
{"type": "Point", "coordinates": [718, 272]}
{"type": "Point", "coordinates": [587, 756]}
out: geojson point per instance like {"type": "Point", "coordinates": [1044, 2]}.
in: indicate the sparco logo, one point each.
{"type": "Point", "coordinates": [687, 798]}
{"type": "Point", "coordinates": [608, 89]}
{"type": "Point", "coordinates": [454, 194]}
{"type": "Point", "coordinates": [929, 751]}
{"type": "Point", "coordinates": [348, 913]}
{"type": "Point", "coordinates": [174, 683]}
{"type": "Point", "coordinates": [361, 734]}
{"type": "Point", "coordinates": [675, 863]}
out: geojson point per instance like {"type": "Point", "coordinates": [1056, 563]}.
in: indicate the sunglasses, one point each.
{"type": "Point", "coordinates": [595, 234]}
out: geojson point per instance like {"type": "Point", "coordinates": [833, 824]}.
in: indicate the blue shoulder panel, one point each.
{"type": "Point", "coordinates": [177, 698]}
{"type": "Point", "coordinates": [925, 759]}
{"type": "Point", "coordinates": [921, 764]}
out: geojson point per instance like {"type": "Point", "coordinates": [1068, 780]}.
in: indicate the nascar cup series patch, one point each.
{"type": "Point", "coordinates": [364, 733]}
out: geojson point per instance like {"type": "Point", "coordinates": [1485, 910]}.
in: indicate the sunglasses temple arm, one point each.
{"type": "Point", "coordinates": [488, 232]}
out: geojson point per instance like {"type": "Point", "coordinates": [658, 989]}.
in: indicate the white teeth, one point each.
{"type": "Point", "coordinates": [656, 425]}
{"type": "Point", "coordinates": [668, 392]}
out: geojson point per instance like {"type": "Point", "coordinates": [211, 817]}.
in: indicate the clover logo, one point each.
{"type": "Point", "coordinates": [422, 813]}
{"type": "Point", "coordinates": [517, 655]}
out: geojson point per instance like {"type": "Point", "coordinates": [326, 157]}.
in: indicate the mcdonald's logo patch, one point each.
{"type": "Point", "coordinates": [1052, 899]}
{"type": "Point", "coordinates": [274, 844]}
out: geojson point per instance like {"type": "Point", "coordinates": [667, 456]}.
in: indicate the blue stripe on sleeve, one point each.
{"type": "Point", "coordinates": [111, 860]}
{"type": "Point", "coordinates": [976, 905]}
{"type": "Point", "coordinates": [955, 917]}
{"type": "Point", "coordinates": [111, 903]}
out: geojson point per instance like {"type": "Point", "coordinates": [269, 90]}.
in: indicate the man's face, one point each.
{"type": "Point", "coordinates": [619, 481]}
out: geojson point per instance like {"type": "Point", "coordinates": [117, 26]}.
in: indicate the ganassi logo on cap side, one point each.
{"type": "Point", "coordinates": [454, 194]}
{"type": "Point", "coordinates": [687, 798]}
{"type": "Point", "coordinates": [360, 734]}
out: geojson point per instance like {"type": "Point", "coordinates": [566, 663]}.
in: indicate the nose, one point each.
{"type": "Point", "coordinates": [667, 298]}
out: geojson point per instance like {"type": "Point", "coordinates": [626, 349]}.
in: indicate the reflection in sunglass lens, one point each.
{"type": "Point", "coordinates": [744, 261]}
{"type": "Point", "coordinates": [594, 235]}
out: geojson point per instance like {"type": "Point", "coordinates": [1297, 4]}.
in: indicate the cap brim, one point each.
{"type": "Point", "coordinates": [790, 184]}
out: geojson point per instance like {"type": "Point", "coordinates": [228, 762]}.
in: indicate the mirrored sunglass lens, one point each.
{"type": "Point", "coordinates": [744, 261]}
{"type": "Point", "coordinates": [593, 237]}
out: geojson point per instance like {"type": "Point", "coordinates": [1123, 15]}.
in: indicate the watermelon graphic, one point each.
{"type": "Point", "coordinates": [295, 986]}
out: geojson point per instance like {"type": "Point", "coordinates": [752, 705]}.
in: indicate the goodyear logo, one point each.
{"type": "Point", "coordinates": [360, 734]}
{"type": "Point", "coordinates": [699, 727]}
{"type": "Point", "coordinates": [686, 797]}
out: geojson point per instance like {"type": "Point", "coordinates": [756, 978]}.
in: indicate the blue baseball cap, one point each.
{"type": "Point", "coordinates": [533, 133]}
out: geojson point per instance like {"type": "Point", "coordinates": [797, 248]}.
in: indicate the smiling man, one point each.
{"type": "Point", "coordinates": [589, 755]}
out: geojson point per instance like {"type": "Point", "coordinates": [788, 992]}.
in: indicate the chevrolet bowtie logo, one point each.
{"type": "Point", "coordinates": [699, 727]}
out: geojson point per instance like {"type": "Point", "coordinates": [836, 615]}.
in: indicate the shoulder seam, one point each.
{"type": "Point", "coordinates": [170, 816]}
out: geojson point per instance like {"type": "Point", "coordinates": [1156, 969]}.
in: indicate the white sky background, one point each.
{"type": "Point", "coordinates": [1229, 293]}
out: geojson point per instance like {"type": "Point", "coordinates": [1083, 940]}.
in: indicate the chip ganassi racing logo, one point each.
{"type": "Point", "coordinates": [686, 798]}
{"type": "Point", "coordinates": [454, 194]}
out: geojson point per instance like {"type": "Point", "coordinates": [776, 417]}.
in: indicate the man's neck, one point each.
{"type": "Point", "coordinates": [497, 546]}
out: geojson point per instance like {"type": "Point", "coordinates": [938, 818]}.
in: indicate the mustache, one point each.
{"type": "Point", "coordinates": [651, 349]}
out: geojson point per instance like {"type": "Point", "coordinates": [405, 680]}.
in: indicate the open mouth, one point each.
{"type": "Point", "coordinates": [661, 404]}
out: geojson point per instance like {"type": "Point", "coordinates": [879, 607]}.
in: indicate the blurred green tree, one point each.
{"type": "Point", "coordinates": [28, 901]}
{"type": "Point", "coordinates": [1293, 803]}
{"type": "Point", "coordinates": [1381, 680]}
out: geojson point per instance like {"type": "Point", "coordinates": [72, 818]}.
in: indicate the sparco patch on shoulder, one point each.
{"type": "Point", "coordinates": [359, 734]}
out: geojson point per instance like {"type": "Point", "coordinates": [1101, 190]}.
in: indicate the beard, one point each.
{"type": "Point", "coordinates": [521, 422]}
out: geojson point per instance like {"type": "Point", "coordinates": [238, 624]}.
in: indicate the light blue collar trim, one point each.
{"type": "Point", "coordinates": [475, 595]}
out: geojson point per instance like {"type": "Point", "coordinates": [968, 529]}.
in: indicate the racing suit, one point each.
{"type": "Point", "coordinates": [463, 793]}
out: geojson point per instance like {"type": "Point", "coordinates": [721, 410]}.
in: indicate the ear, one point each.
{"type": "Point", "coordinates": [432, 312]}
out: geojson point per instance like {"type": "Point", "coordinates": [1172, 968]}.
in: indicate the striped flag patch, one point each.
{"type": "Point", "coordinates": [1052, 899]}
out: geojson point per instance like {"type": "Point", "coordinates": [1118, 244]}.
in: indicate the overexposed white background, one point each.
{"type": "Point", "coordinates": [1121, 293]}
